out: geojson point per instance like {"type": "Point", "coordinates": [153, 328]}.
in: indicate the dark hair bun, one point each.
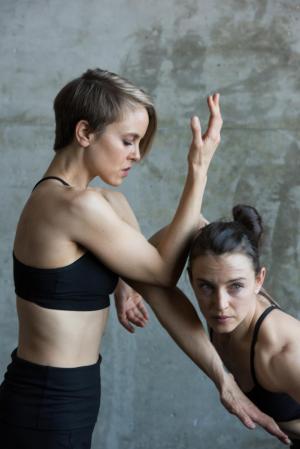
{"type": "Point", "coordinates": [250, 219]}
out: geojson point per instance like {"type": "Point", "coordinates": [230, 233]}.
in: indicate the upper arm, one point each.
{"type": "Point", "coordinates": [121, 206]}
{"type": "Point", "coordinates": [285, 370]}
{"type": "Point", "coordinates": [95, 225]}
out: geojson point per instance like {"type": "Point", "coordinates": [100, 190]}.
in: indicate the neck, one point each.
{"type": "Point", "coordinates": [68, 164]}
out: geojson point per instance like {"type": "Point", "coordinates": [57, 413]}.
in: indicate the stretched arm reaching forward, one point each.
{"type": "Point", "coordinates": [179, 318]}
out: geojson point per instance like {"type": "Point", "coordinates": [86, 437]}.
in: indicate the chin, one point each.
{"type": "Point", "coordinates": [112, 182]}
{"type": "Point", "coordinates": [222, 328]}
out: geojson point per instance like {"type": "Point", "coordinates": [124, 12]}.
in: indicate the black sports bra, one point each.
{"type": "Point", "coordinates": [280, 406]}
{"type": "Point", "coordinates": [83, 285]}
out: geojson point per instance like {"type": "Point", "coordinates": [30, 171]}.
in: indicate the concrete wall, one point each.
{"type": "Point", "coordinates": [153, 396]}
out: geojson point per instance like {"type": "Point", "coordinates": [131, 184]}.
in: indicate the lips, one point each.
{"type": "Point", "coordinates": [221, 318]}
{"type": "Point", "coordinates": [125, 171]}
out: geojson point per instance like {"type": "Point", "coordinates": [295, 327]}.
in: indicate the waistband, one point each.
{"type": "Point", "coordinates": [77, 370]}
{"type": "Point", "coordinates": [50, 398]}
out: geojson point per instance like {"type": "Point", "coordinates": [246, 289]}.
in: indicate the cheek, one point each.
{"type": "Point", "coordinates": [244, 303]}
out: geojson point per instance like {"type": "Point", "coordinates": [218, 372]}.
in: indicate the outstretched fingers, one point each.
{"type": "Point", "coordinates": [215, 121]}
{"type": "Point", "coordinates": [235, 401]}
{"type": "Point", "coordinates": [196, 130]}
{"type": "Point", "coordinates": [272, 427]}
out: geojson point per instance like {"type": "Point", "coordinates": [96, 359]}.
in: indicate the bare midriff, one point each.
{"type": "Point", "coordinates": [59, 338]}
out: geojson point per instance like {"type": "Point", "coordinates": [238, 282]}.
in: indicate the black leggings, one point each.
{"type": "Point", "coordinates": [44, 407]}
{"type": "Point", "coordinates": [17, 438]}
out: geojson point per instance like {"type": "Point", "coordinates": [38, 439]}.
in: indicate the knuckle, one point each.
{"type": "Point", "coordinates": [198, 145]}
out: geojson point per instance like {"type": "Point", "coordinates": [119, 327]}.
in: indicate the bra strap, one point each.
{"type": "Point", "coordinates": [51, 177]}
{"type": "Point", "coordinates": [254, 339]}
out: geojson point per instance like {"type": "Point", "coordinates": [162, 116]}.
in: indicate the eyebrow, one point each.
{"type": "Point", "coordinates": [228, 282]}
{"type": "Point", "coordinates": [236, 279]}
{"type": "Point", "coordinates": [134, 135]}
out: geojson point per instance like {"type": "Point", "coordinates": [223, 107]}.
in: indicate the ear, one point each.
{"type": "Point", "coordinates": [83, 133]}
{"type": "Point", "coordinates": [259, 279]}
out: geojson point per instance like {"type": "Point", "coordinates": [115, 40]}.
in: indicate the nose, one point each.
{"type": "Point", "coordinates": [221, 300]}
{"type": "Point", "coordinates": [135, 154]}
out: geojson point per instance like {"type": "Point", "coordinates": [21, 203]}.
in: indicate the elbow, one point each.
{"type": "Point", "coordinates": [169, 281]}
{"type": "Point", "coordinates": [172, 282]}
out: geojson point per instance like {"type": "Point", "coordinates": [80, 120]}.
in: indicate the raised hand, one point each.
{"type": "Point", "coordinates": [204, 146]}
{"type": "Point", "coordinates": [130, 306]}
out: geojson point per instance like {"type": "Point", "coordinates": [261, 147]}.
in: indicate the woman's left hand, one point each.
{"type": "Point", "coordinates": [203, 147]}
{"type": "Point", "coordinates": [130, 306]}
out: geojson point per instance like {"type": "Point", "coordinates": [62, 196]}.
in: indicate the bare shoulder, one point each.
{"type": "Point", "coordinates": [277, 345]}
{"type": "Point", "coordinates": [96, 194]}
{"type": "Point", "coordinates": [278, 329]}
{"type": "Point", "coordinates": [121, 206]}
{"type": "Point", "coordinates": [91, 201]}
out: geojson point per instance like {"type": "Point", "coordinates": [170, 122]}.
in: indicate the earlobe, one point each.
{"type": "Point", "coordinates": [83, 133]}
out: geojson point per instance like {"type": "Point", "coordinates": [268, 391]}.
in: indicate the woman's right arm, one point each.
{"type": "Point", "coordinates": [179, 318]}
{"type": "Point", "coordinates": [96, 226]}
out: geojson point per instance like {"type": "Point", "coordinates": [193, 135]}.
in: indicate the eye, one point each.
{"type": "Point", "coordinates": [205, 288]}
{"type": "Point", "coordinates": [236, 286]}
{"type": "Point", "coordinates": [127, 143]}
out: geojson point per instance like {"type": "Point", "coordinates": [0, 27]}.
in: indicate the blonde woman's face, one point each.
{"type": "Point", "coordinates": [113, 153]}
{"type": "Point", "coordinates": [225, 287]}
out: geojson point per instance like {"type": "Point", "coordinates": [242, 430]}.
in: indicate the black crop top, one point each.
{"type": "Point", "coordinates": [83, 285]}
{"type": "Point", "coordinates": [280, 406]}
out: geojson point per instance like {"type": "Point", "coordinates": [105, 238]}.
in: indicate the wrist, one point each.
{"type": "Point", "coordinates": [220, 377]}
{"type": "Point", "coordinates": [197, 176]}
{"type": "Point", "coordinates": [224, 383]}
{"type": "Point", "coordinates": [197, 170]}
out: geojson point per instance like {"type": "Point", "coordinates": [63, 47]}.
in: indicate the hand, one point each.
{"type": "Point", "coordinates": [235, 401]}
{"type": "Point", "coordinates": [130, 307]}
{"type": "Point", "coordinates": [203, 147]}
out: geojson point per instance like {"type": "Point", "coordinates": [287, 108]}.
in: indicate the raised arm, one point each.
{"type": "Point", "coordinates": [96, 226]}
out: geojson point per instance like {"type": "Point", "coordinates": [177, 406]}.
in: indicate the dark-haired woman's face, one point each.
{"type": "Point", "coordinates": [225, 287]}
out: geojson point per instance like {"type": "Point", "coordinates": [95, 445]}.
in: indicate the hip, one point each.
{"type": "Point", "coordinates": [50, 398]}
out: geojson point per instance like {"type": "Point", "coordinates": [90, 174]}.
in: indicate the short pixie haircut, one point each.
{"type": "Point", "coordinates": [99, 97]}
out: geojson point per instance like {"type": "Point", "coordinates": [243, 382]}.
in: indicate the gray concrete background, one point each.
{"type": "Point", "coordinates": [153, 396]}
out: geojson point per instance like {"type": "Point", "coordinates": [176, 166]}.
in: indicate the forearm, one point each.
{"type": "Point", "coordinates": [177, 236]}
{"type": "Point", "coordinates": [173, 241]}
{"type": "Point", "coordinates": [182, 256]}
{"type": "Point", "coordinates": [179, 318]}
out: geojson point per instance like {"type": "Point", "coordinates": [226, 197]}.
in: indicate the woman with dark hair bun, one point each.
{"type": "Point", "coordinates": [257, 341]}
